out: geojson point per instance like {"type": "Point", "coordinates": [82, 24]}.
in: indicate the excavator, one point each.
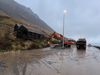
{"type": "Point", "coordinates": [56, 40]}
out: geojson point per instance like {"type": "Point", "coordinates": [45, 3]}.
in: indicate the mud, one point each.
{"type": "Point", "coordinates": [51, 62]}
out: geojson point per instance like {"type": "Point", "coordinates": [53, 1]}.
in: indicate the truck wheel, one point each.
{"type": "Point", "coordinates": [65, 46]}
{"type": "Point", "coordinates": [78, 47]}
{"type": "Point", "coordinates": [69, 46]}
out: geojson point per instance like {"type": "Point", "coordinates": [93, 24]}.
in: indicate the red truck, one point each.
{"type": "Point", "coordinates": [68, 43]}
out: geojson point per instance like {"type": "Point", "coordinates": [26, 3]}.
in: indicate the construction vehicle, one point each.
{"type": "Point", "coordinates": [68, 43]}
{"type": "Point", "coordinates": [81, 43]}
{"type": "Point", "coordinates": [56, 40]}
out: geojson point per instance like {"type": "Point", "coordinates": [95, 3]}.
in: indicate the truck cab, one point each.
{"type": "Point", "coordinates": [81, 43]}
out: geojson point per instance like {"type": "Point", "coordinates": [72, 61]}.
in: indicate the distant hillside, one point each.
{"type": "Point", "coordinates": [11, 12]}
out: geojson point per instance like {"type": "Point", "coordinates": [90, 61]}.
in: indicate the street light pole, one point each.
{"type": "Point", "coordinates": [64, 25]}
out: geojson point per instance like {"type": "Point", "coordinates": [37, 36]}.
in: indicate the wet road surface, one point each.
{"type": "Point", "coordinates": [51, 62]}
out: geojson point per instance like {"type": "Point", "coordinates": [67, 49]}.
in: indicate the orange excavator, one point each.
{"type": "Point", "coordinates": [59, 37]}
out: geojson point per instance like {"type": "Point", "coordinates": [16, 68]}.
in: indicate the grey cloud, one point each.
{"type": "Point", "coordinates": [82, 18]}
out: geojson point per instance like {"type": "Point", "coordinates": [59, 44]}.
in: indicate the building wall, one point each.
{"type": "Point", "coordinates": [23, 33]}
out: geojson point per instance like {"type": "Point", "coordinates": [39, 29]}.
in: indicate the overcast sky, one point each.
{"type": "Point", "coordinates": [82, 18]}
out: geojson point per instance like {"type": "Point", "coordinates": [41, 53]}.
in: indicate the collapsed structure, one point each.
{"type": "Point", "coordinates": [23, 33]}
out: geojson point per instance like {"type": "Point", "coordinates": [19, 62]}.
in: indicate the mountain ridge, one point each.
{"type": "Point", "coordinates": [15, 10]}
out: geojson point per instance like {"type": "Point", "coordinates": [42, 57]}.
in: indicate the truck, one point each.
{"type": "Point", "coordinates": [56, 40]}
{"type": "Point", "coordinates": [68, 44]}
{"type": "Point", "coordinates": [81, 43]}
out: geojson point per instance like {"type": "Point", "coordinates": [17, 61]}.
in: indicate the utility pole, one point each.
{"type": "Point", "coordinates": [64, 14]}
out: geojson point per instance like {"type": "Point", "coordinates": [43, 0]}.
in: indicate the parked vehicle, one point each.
{"type": "Point", "coordinates": [81, 43]}
{"type": "Point", "coordinates": [56, 40]}
{"type": "Point", "coordinates": [68, 44]}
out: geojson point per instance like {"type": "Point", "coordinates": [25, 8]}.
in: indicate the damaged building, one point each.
{"type": "Point", "coordinates": [23, 32]}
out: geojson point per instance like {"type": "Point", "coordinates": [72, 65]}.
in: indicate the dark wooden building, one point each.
{"type": "Point", "coordinates": [23, 33]}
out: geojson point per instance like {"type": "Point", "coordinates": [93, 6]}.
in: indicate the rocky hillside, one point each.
{"type": "Point", "coordinates": [22, 14]}
{"type": "Point", "coordinates": [11, 13]}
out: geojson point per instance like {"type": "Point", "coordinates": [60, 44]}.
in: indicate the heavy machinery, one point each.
{"type": "Point", "coordinates": [81, 43]}
{"type": "Point", "coordinates": [56, 40]}
{"type": "Point", "coordinates": [68, 43]}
